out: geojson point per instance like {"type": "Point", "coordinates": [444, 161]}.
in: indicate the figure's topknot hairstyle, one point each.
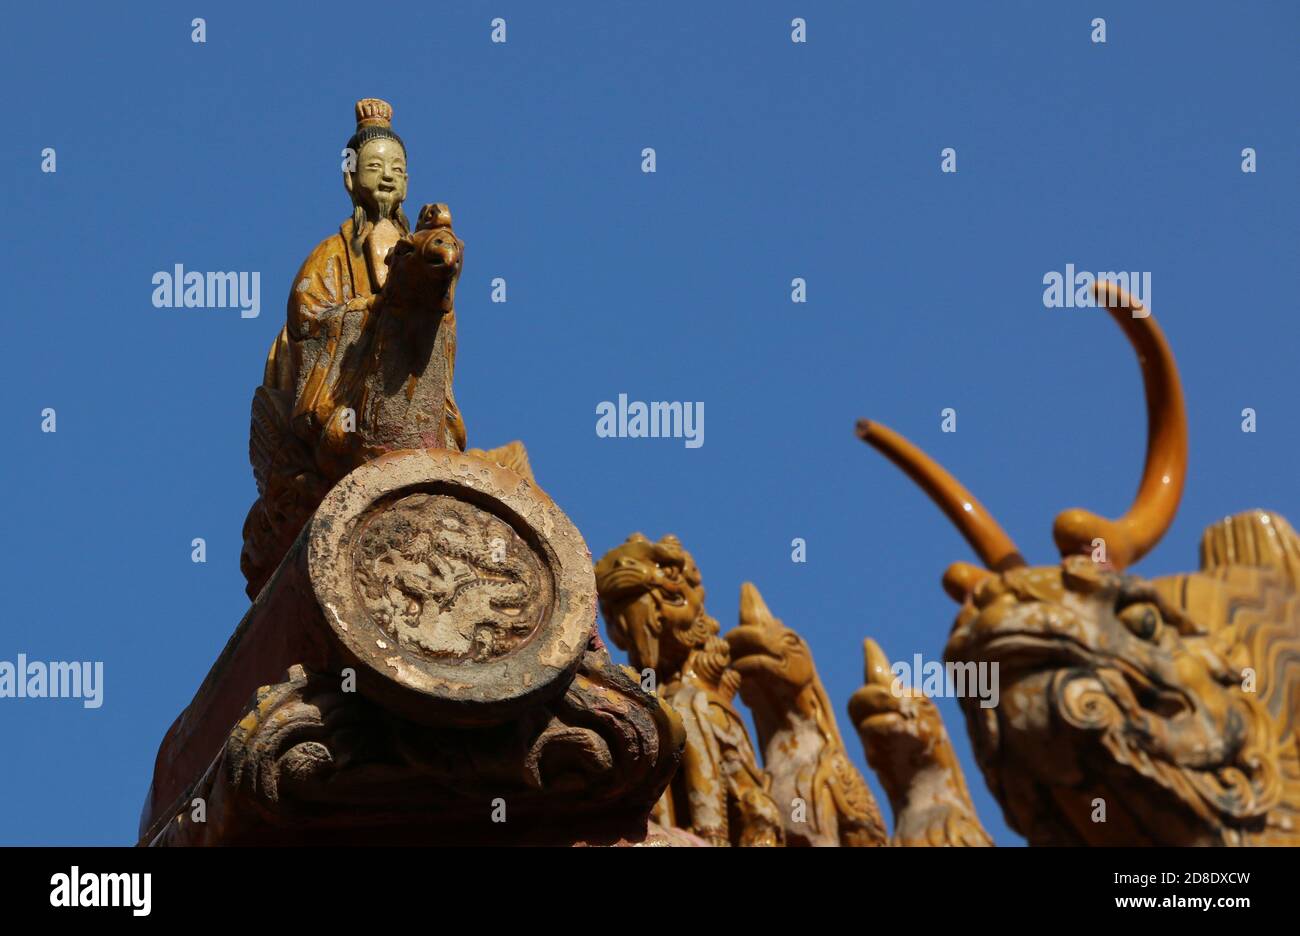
{"type": "Point", "coordinates": [374, 122]}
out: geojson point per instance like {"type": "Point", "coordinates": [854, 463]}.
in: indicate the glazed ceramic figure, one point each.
{"type": "Point", "coordinates": [1132, 711]}
{"type": "Point", "coordinates": [364, 363]}
{"type": "Point", "coordinates": [653, 603]}
{"type": "Point", "coordinates": [821, 795]}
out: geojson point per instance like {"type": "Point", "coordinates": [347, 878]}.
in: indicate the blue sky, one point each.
{"type": "Point", "coordinates": [774, 160]}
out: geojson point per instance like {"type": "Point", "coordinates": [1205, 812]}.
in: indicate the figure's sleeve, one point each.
{"type": "Point", "coordinates": [320, 292]}
{"type": "Point", "coordinates": [318, 302]}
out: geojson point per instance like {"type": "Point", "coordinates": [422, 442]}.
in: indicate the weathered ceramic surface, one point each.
{"type": "Point", "coordinates": [309, 763]}
{"type": "Point", "coordinates": [465, 592]}
{"type": "Point", "coordinates": [439, 614]}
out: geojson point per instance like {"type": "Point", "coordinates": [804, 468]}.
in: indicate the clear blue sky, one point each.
{"type": "Point", "coordinates": [775, 160]}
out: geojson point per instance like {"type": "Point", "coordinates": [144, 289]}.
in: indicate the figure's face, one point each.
{"type": "Point", "coordinates": [651, 595]}
{"type": "Point", "coordinates": [379, 183]}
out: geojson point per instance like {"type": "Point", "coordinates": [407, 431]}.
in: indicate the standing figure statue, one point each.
{"type": "Point", "coordinates": [653, 603]}
{"type": "Point", "coordinates": [364, 363]}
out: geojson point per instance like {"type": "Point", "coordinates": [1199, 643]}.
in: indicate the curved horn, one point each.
{"type": "Point", "coordinates": [1131, 536]}
{"type": "Point", "coordinates": [989, 541]}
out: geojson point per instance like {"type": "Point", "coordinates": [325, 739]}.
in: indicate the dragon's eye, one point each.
{"type": "Point", "coordinates": [1142, 620]}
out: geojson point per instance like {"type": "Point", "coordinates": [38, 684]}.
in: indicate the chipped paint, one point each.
{"type": "Point", "coordinates": [343, 625]}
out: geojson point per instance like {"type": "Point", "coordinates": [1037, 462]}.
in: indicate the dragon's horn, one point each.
{"type": "Point", "coordinates": [989, 540]}
{"type": "Point", "coordinates": [1132, 535]}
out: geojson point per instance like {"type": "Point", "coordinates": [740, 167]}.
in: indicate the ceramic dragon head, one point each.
{"type": "Point", "coordinates": [1132, 711]}
{"type": "Point", "coordinates": [426, 263]}
{"type": "Point", "coordinates": [772, 659]}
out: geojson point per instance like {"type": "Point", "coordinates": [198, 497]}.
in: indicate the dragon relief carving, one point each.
{"type": "Point", "coordinates": [1170, 705]}
{"type": "Point", "coordinates": [448, 579]}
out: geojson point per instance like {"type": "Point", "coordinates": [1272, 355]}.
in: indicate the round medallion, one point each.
{"type": "Point", "coordinates": [457, 589]}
